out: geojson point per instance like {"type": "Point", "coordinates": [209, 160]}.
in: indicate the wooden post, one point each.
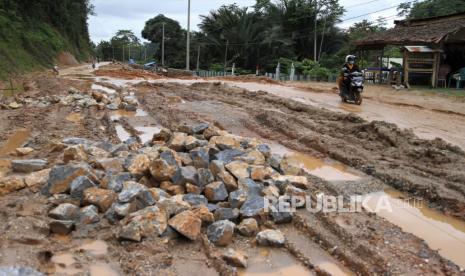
{"type": "Point", "coordinates": [406, 68]}
{"type": "Point", "coordinates": [381, 66]}
{"type": "Point", "coordinates": [361, 59]}
{"type": "Point", "coordinates": [434, 76]}
{"type": "Point", "coordinates": [198, 58]}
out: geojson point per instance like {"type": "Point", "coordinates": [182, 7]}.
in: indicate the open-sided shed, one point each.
{"type": "Point", "coordinates": [433, 46]}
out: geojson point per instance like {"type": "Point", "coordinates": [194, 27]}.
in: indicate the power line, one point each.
{"type": "Point", "coordinates": [355, 5]}
{"type": "Point", "coordinates": [377, 11]}
{"type": "Point", "coordinates": [362, 4]}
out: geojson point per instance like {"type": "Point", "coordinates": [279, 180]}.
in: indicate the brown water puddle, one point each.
{"type": "Point", "coordinates": [146, 133]}
{"type": "Point", "coordinates": [192, 267]}
{"type": "Point", "coordinates": [95, 247]}
{"type": "Point", "coordinates": [272, 262]}
{"type": "Point", "coordinates": [74, 117]}
{"type": "Point", "coordinates": [117, 114]}
{"type": "Point", "coordinates": [329, 170]}
{"type": "Point", "coordinates": [350, 108]}
{"type": "Point", "coordinates": [61, 238]}
{"type": "Point", "coordinates": [174, 99]}
{"type": "Point", "coordinates": [103, 88]}
{"type": "Point", "coordinates": [102, 269]}
{"type": "Point", "coordinates": [315, 253]}
{"type": "Point", "coordinates": [4, 167]}
{"type": "Point", "coordinates": [65, 264]}
{"type": "Point", "coordinates": [122, 133]}
{"type": "Point", "coordinates": [15, 141]}
{"type": "Point", "coordinates": [441, 232]}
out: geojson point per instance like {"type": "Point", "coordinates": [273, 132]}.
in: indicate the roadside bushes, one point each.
{"type": "Point", "coordinates": [307, 67]}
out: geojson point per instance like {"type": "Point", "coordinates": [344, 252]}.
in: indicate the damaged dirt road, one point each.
{"type": "Point", "coordinates": [340, 154]}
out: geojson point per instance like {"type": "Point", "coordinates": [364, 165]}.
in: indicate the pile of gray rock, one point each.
{"type": "Point", "coordinates": [101, 99]}
{"type": "Point", "coordinates": [18, 102]}
{"type": "Point", "coordinates": [78, 100]}
{"type": "Point", "coordinates": [198, 177]}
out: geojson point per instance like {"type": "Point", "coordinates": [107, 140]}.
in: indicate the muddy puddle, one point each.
{"type": "Point", "coordinates": [318, 257]}
{"type": "Point", "coordinates": [174, 100]}
{"type": "Point", "coordinates": [441, 232]}
{"type": "Point", "coordinates": [117, 114]}
{"type": "Point", "coordinates": [4, 167]}
{"type": "Point", "coordinates": [95, 247]}
{"type": "Point", "coordinates": [327, 169]}
{"type": "Point", "coordinates": [350, 108]}
{"type": "Point", "coordinates": [66, 263]}
{"type": "Point", "coordinates": [272, 262]}
{"type": "Point", "coordinates": [103, 88]}
{"type": "Point", "coordinates": [102, 269]}
{"type": "Point", "coordinates": [143, 130]}
{"type": "Point", "coordinates": [122, 133]}
{"type": "Point", "coordinates": [146, 133]}
{"type": "Point", "coordinates": [17, 140]}
{"type": "Point", "coordinates": [74, 117]}
{"type": "Point", "coordinates": [192, 267]}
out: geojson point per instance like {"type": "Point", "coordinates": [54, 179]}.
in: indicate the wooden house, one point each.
{"type": "Point", "coordinates": [433, 48]}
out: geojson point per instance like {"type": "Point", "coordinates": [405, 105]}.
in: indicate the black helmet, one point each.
{"type": "Point", "coordinates": [350, 59]}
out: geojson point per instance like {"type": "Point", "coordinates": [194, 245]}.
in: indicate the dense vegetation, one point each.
{"type": "Point", "coordinates": [263, 35]}
{"type": "Point", "coordinates": [303, 32]}
{"type": "Point", "coordinates": [33, 32]}
{"type": "Point", "coordinates": [431, 8]}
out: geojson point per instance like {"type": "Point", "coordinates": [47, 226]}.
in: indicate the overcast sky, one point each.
{"type": "Point", "coordinates": [113, 15]}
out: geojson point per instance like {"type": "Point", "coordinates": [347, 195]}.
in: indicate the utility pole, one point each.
{"type": "Point", "coordinates": [322, 38]}
{"type": "Point", "coordinates": [163, 47]}
{"type": "Point", "coordinates": [129, 51]}
{"type": "Point", "coordinates": [188, 34]}
{"type": "Point", "coordinates": [198, 58]}
{"type": "Point", "coordinates": [113, 53]}
{"type": "Point", "coordinates": [145, 53]}
{"type": "Point", "coordinates": [315, 33]}
{"type": "Point", "coordinates": [226, 56]}
{"type": "Point", "coordinates": [123, 54]}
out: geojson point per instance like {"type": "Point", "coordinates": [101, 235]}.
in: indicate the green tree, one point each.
{"type": "Point", "coordinates": [126, 37]}
{"type": "Point", "coordinates": [123, 42]}
{"type": "Point", "coordinates": [238, 29]}
{"type": "Point", "coordinates": [104, 50]}
{"type": "Point", "coordinates": [34, 32]}
{"type": "Point", "coordinates": [431, 8]}
{"type": "Point", "coordinates": [272, 30]}
{"type": "Point", "coordinates": [174, 39]}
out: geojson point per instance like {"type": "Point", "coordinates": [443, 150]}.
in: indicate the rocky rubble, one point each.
{"type": "Point", "coordinates": [78, 100]}
{"type": "Point", "coordinates": [195, 180]}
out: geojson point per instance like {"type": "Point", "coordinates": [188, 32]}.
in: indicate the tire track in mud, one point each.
{"type": "Point", "coordinates": [376, 148]}
{"type": "Point", "coordinates": [361, 144]}
{"type": "Point", "coordinates": [394, 156]}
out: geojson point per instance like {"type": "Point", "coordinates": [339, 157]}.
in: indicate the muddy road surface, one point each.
{"type": "Point", "coordinates": [428, 116]}
{"type": "Point", "coordinates": [340, 153]}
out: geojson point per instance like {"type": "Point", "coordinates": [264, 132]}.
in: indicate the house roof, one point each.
{"type": "Point", "coordinates": [427, 31]}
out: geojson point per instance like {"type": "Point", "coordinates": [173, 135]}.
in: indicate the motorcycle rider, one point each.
{"type": "Point", "coordinates": [349, 66]}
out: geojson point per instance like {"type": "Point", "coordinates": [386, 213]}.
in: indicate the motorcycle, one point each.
{"type": "Point", "coordinates": [353, 93]}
